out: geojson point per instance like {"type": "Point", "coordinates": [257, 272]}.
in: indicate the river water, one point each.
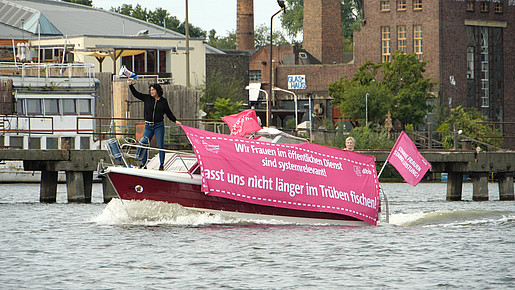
{"type": "Point", "coordinates": [429, 243]}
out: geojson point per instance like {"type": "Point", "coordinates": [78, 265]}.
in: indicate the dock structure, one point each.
{"type": "Point", "coordinates": [78, 165]}
{"type": "Point", "coordinates": [478, 165]}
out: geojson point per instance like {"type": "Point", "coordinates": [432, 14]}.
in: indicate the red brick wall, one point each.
{"type": "Point", "coordinates": [322, 30]}
{"type": "Point", "coordinates": [245, 25]}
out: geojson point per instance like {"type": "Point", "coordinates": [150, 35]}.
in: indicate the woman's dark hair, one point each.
{"type": "Point", "coordinates": [158, 89]}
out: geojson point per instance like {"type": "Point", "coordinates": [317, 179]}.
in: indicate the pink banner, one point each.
{"type": "Point", "coordinates": [407, 160]}
{"type": "Point", "coordinates": [306, 176]}
{"type": "Point", "coordinates": [242, 123]}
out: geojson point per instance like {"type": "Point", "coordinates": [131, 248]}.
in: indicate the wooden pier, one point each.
{"type": "Point", "coordinates": [79, 166]}
{"type": "Point", "coordinates": [478, 165]}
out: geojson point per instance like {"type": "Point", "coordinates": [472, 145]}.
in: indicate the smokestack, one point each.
{"type": "Point", "coordinates": [323, 30]}
{"type": "Point", "coordinates": [245, 25]}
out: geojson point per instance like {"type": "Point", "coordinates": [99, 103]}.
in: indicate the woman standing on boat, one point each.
{"type": "Point", "coordinates": [155, 106]}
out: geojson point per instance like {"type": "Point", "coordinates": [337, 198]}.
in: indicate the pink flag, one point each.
{"type": "Point", "coordinates": [242, 123]}
{"type": "Point", "coordinates": [305, 176]}
{"type": "Point", "coordinates": [407, 160]}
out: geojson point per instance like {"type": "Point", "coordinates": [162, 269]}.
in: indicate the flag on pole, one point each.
{"type": "Point", "coordinates": [407, 160]}
{"type": "Point", "coordinates": [242, 123]}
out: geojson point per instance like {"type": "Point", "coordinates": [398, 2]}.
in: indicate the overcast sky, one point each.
{"type": "Point", "coordinates": [206, 14]}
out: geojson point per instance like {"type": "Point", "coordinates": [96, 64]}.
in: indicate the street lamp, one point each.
{"type": "Point", "coordinates": [283, 7]}
{"type": "Point", "coordinates": [366, 109]}
{"type": "Point", "coordinates": [266, 95]}
{"type": "Point", "coordinates": [295, 100]}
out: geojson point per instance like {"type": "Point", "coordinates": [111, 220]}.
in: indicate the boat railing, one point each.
{"type": "Point", "coordinates": [384, 202]}
{"type": "Point", "coordinates": [132, 150]}
{"type": "Point", "coordinates": [48, 70]}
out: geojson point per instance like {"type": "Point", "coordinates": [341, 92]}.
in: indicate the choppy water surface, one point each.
{"type": "Point", "coordinates": [429, 243]}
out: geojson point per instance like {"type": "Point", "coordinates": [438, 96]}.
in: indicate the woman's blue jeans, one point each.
{"type": "Point", "coordinates": [157, 129]}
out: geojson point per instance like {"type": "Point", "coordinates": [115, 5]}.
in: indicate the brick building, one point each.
{"type": "Point", "coordinates": [469, 44]}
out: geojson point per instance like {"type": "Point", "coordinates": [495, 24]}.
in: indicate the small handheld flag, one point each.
{"type": "Point", "coordinates": [405, 157]}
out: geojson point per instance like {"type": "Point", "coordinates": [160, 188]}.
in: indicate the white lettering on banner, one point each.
{"type": "Point", "coordinates": [296, 82]}
{"type": "Point", "coordinates": [402, 155]}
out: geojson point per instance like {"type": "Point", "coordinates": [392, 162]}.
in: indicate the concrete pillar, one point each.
{"type": "Point", "coordinates": [506, 191]}
{"type": "Point", "coordinates": [48, 187]}
{"type": "Point", "coordinates": [76, 186]}
{"type": "Point", "coordinates": [454, 186]}
{"type": "Point", "coordinates": [88, 185]}
{"type": "Point", "coordinates": [480, 186]}
{"type": "Point", "coordinates": [108, 189]}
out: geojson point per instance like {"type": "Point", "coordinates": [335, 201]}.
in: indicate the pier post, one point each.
{"type": "Point", "coordinates": [454, 186]}
{"type": "Point", "coordinates": [48, 186]}
{"type": "Point", "coordinates": [108, 189]}
{"type": "Point", "coordinates": [79, 185]}
{"type": "Point", "coordinates": [480, 186]}
{"type": "Point", "coordinates": [506, 191]}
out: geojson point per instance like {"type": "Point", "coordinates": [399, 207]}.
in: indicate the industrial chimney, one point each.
{"type": "Point", "coordinates": [245, 25]}
{"type": "Point", "coordinates": [323, 30]}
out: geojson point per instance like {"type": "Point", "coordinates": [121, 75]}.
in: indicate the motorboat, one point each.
{"type": "Point", "coordinates": [270, 176]}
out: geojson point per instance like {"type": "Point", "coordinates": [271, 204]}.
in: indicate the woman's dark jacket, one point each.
{"type": "Point", "coordinates": [154, 110]}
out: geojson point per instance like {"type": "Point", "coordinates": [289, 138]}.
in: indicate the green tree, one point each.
{"type": "Point", "coordinates": [222, 42]}
{"type": "Point", "coordinates": [224, 107]}
{"type": "Point", "coordinates": [218, 86]}
{"type": "Point", "coordinates": [467, 119]}
{"type": "Point", "coordinates": [262, 37]}
{"type": "Point", "coordinates": [81, 2]}
{"type": "Point", "coordinates": [365, 138]}
{"type": "Point", "coordinates": [159, 17]}
{"type": "Point", "coordinates": [399, 88]}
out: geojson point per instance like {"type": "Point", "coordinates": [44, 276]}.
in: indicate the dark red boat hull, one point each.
{"type": "Point", "coordinates": [190, 195]}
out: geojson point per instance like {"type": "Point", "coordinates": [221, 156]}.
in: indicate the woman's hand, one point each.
{"type": "Point", "coordinates": [178, 123]}
{"type": "Point", "coordinates": [129, 81]}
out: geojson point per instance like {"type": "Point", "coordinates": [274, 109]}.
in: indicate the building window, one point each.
{"type": "Point", "coordinates": [401, 39]}
{"type": "Point", "coordinates": [85, 143]}
{"type": "Point", "coordinates": [484, 6]}
{"type": "Point", "coordinates": [84, 106]}
{"type": "Point", "coordinates": [255, 76]}
{"type": "Point", "coordinates": [35, 143]}
{"type": "Point", "coordinates": [417, 5]}
{"type": "Point", "coordinates": [470, 5]}
{"type": "Point", "coordinates": [498, 8]}
{"type": "Point", "coordinates": [385, 43]}
{"type": "Point", "coordinates": [69, 107]}
{"type": "Point", "coordinates": [52, 107]}
{"type": "Point", "coordinates": [51, 143]}
{"type": "Point", "coordinates": [470, 62]}
{"type": "Point", "coordinates": [401, 4]}
{"type": "Point", "coordinates": [34, 107]}
{"type": "Point", "coordinates": [485, 73]}
{"type": "Point", "coordinates": [16, 142]}
{"type": "Point", "coordinates": [385, 5]}
{"type": "Point", "coordinates": [417, 41]}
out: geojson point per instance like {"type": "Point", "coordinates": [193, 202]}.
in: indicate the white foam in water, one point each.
{"type": "Point", "coordinates": [118, 212]}
{"type": "Point", "coordinates": [450, 218]}
{"type": "Point", "coordinates": [152, 213]}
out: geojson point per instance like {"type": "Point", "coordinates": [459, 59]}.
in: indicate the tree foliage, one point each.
{"type": "Point", "coordinates": [468, 120]}
{"type": "Point", "coordinates": [160, 17]}
{"type": "Point", "coordinates": [365, 138]}
{"type": "Point", "coordinates": [217, 87]}
{"type": "Point", "coordinates": [81, 2]}
{"type": "Point", "coordinates": [262, 37]}
{"type": "Point", "coordinates": [222, 42]}
{"type": "Point", "coordinates": [397, 86]}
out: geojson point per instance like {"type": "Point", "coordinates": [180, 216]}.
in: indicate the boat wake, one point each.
{"type": "Point", "coordinates": [156, 213]}
{"type": "Point", "coordinates": [453, 218]}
